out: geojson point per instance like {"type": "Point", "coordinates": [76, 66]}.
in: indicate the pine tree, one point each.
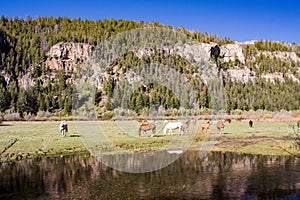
{"type": "Point", "coordinates": [4, 99]}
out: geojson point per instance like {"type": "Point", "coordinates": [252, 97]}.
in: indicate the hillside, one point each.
{"type": "Point", "coordinates": [40, 58]}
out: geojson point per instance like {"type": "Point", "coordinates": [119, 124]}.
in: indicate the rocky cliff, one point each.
{"type": "Point", "coordinates": [67, 56]}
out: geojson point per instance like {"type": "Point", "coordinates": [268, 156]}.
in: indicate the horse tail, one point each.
{"type": "Point", "coordinates": [154, 129]}
{"type": "Point", "coordinates": [139, 131]}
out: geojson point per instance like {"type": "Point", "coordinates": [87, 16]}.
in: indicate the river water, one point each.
{"type": "Point", "coordinates": [217, 176]}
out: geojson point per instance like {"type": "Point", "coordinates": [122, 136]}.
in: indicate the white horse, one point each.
{"type": "Point", "coordinates": [172, 125]}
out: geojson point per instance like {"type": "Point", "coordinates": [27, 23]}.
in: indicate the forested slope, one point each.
{"type": "Point", "coordinates": [39, 58]}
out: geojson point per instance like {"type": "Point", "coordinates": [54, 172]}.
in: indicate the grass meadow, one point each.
{"type": "Point", "coordinates": [24, 140]}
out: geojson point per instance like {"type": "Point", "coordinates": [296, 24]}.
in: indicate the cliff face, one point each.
{"type": "Point", "coordinates": [67, 56]}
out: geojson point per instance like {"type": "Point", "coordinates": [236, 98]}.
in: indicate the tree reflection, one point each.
{"type": "Point", "coordinates": [219, 175]}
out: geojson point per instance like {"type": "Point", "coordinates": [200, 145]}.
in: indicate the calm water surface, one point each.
{"type": "Point", "coordinates": [217, 176]}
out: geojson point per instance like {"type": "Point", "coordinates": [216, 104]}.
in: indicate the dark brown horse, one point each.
{"type": "Point", "coordinates": [227, 120]}
{"type": "Point", "coordinates": [147, 127]}
{"type": "Point", "coordinates": [250, 123]}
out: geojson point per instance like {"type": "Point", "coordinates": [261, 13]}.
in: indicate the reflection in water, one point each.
{"type": "Point", "coordinates": [217, 176]}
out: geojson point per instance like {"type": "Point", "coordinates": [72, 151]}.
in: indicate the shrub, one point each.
{"type": "Point", "coordinates": [108, 114]}
{"type": "Point", "coordinates": [295, 114]}
{"type": "Point", "coordinates": [267, 116]}
{"type": "Point", "coordinates": [236, 112]}
{"type": "Point", "coordinates": [29, 116]}
{"type": "Point", "coordinates": [44, 114]}
{"type": "Point", "coordinates": [12, 117]}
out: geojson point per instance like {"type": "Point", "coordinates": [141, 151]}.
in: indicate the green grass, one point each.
{"type": "Point", "coordinates": [268, 138]}
{"type": "Point", "coordinates": [44, 139]}
{"type": "Point", "coordinates": [270, 129]}
{"type": "Point", "coordinates": [37, 139]}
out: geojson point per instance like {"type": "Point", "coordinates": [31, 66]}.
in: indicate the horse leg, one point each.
{"type": "Point", "coordinates": [169, 131]}
{"type": "Point", "coordinates": [165, 131]}
{"type": "Point", "coordinates": [220, 131]}
{"type": "Point", "coordinates": [153, 132]}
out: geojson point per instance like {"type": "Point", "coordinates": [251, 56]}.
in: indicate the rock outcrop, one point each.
{"type": "Point", "coordinates": [67, 55]}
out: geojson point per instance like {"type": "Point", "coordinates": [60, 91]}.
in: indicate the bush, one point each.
{"type": "Point", "coordinates": [236, 112]}
{"type": "Point", "coordinates": [45, 114]}
{"type": "Point", "coordinates": [29, 116]}
{"type": "Point", "coordinates": [108, 114]}
{"type": "Point", "coordinates": [12, 117]}
{"type": "Point", "coordinates": [295, 114]}
{"type": "Point", "coordinates": [267, 116]}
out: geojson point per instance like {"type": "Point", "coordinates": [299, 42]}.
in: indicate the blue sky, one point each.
{"type": "Point", "coordinates": [241, 20]}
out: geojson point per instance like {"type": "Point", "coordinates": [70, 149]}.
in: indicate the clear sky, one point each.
{"type": "Point", "coordinates": [241, 20]}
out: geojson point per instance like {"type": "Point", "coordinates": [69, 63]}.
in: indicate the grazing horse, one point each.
{"type": "Point", "coordinates": [227, 120]}
{"type": "Point", "coordinates": [63, 127]}
{"type": "Point", "coordinates": [147, 127]}
{"type": "Point", "coordinates": [238, 119]}
{"type": "Point", "coordinates": [250, 123]}
{"type": "Point", "coordinates": [204, 126]}
{"type": "Point", "coordinates": [172, 125]}
{"type": "Point", "coordinates": [298, 123]}
{"type": "Point", "coordinates": [185, 125]}
{"type": "Point", "coordinates": [220, 126]}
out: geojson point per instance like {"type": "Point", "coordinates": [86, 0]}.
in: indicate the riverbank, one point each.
{"type": "Point", "coordinates": [25, 140]}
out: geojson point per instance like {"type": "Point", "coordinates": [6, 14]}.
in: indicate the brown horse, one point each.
{"type": "Point", "coordinates": [298, 123]}
{"type": "Point", "coordinates": [238, 119]}
{"type": "Point", "coordinates": [220, 126]}
{"type": "Point", "coordinates": [185, 125]}
{"type": "Point", "coordinates": [147, 127]}
{"type": "Point", "coordinates": [205, 126]}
